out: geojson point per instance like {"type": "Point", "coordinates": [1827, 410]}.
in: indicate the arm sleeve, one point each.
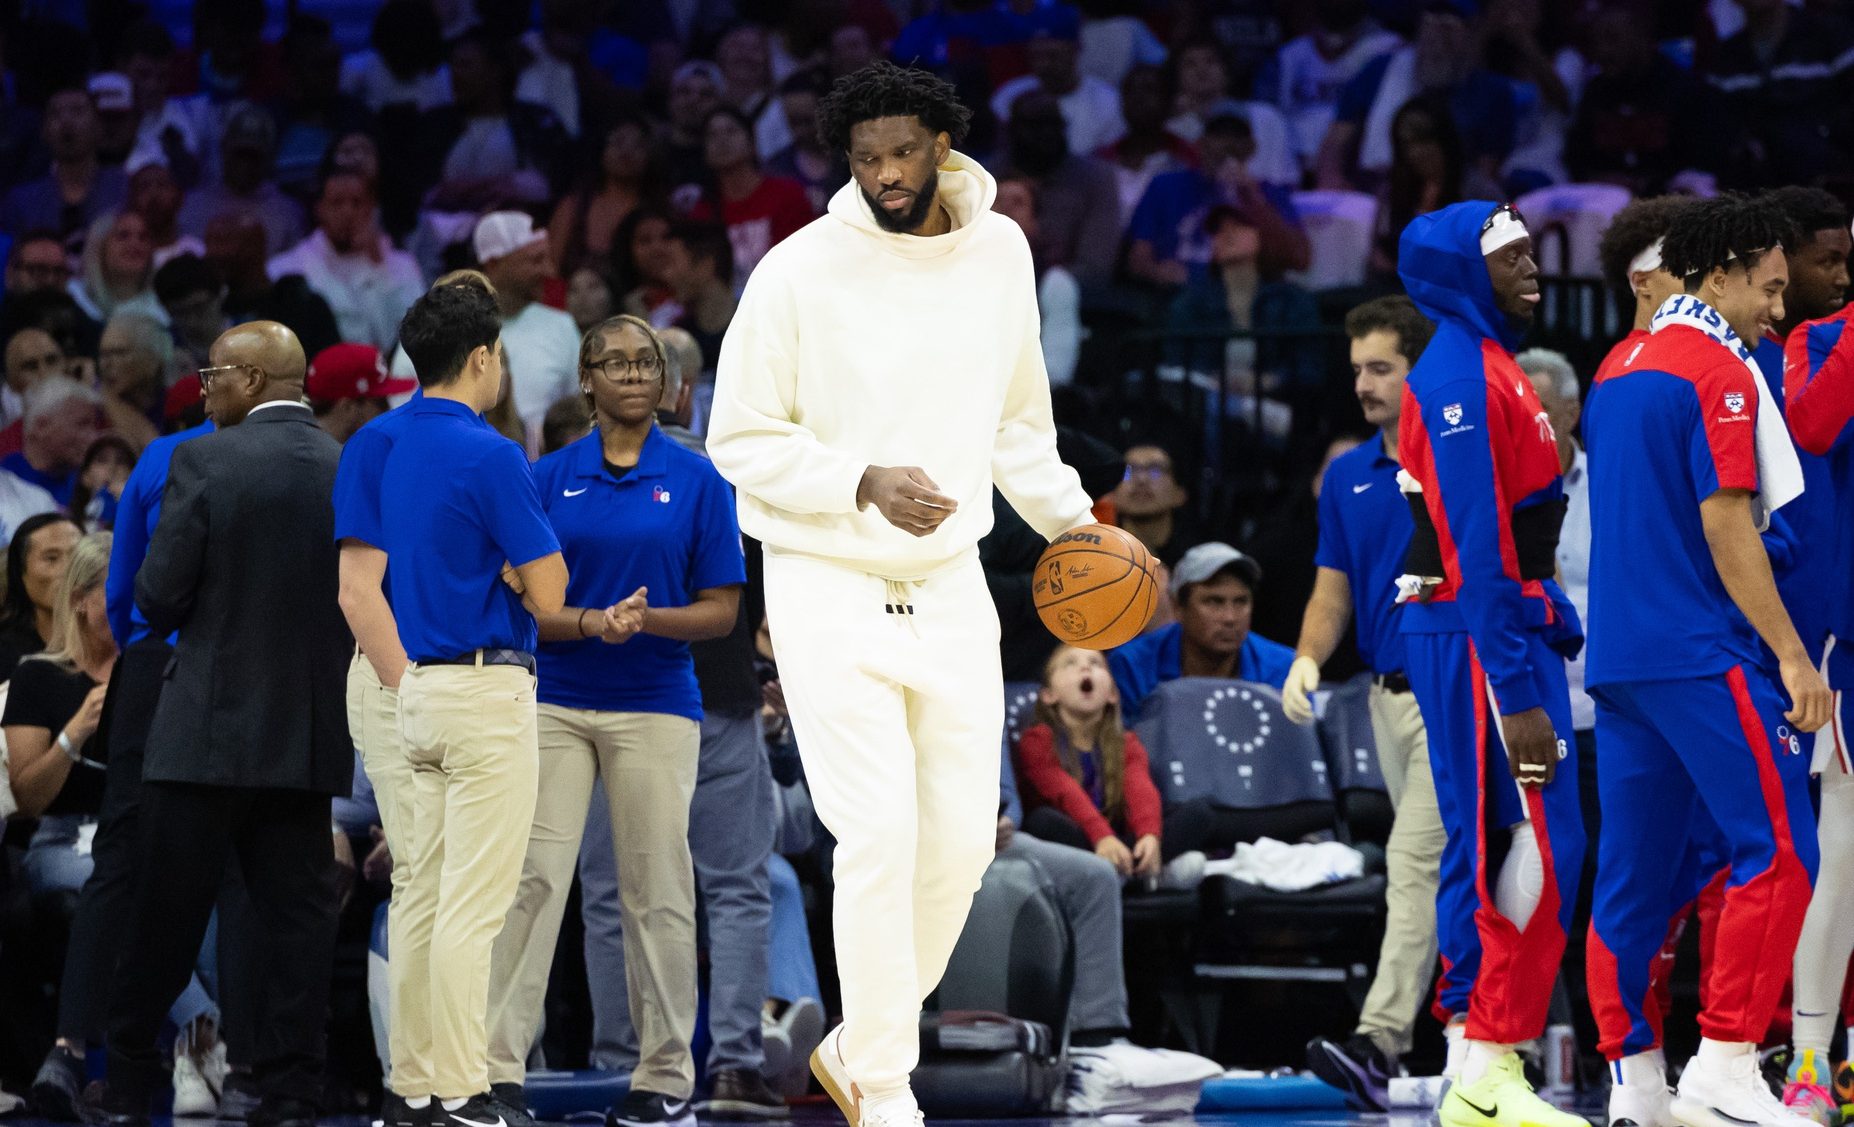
{"type": "Point", "coordinates": [126, 551]}
{"type": "Point", "coordinates": [753, 437]}
{"type": "Point", "coordinates": [1822, 403]}
{"type": "Point", "coordinates": [1044, 777]}
{"type": "Point", "coordinates": [1024, 462]}
{"type": "Point", "coordinates": [510, 506]}
{"type": "Point", "coordinates": [1145, 813]}
{"type": "Point", "coordinates": [167, 582]}
{"type": "Point", "coordinates": [1472, 505]}
{"type": "Point", "coordinates": [357, 490]}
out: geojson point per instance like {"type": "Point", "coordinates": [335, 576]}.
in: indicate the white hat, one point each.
{"type": "Point", "coordinates": [503, 233]}
{"type": "Point", "coordinates": [112, 92]}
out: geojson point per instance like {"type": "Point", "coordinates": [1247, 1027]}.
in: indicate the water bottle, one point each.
{"type": "Point", "coordinates": [1560, 1059]}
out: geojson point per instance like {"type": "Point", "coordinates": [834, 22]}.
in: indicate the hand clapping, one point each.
{"type": "Point", "coordinates": [625, 619]}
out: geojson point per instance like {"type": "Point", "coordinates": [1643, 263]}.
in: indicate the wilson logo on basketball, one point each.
{"type": "Point", "coordinates": [1095, 587]}
{"type": "Point", "coordinates": [1076, 538]}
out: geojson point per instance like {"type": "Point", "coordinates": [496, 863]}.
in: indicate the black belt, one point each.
{"type": "Point", "coordinates": [487, 657]}
{"type": "Point", "coordinates": [1392, 682]}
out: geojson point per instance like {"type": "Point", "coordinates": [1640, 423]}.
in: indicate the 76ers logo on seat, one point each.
{"type": "Point", "coordinates": [1734, 401]}
{"type": "Point", "coordinates": [1451, 414]}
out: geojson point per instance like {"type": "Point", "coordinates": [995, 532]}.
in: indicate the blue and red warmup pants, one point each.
{"type": "Point", "coordinates": [1497, 974]}
{"type": "Point", "coordinates": [1680, 757]}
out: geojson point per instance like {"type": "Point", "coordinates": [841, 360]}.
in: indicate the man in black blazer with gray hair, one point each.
{"type": "Point", "coordinates": [250, 740]}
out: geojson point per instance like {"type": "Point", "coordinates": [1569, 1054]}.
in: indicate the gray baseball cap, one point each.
{"type": "Point", "coordinates": [1206, 561]}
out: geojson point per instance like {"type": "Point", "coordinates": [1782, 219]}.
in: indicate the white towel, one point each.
{"type": "Point", "coordinates": [1779, 473]}
{"type": "Point", "coordinates": [1290, 868]}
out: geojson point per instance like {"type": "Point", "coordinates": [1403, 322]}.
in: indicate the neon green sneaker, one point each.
{"type": "Point", "coordinates": [1501, 1098]}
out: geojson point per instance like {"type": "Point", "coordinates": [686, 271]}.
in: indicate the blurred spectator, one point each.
{"type": "Point", "coordinates": [697, 291]}
{"type": "Point", "coordinates": [1237, 292]}
{"type": "Point", "coordinates": [79, 186]}
{"type": "Point", "coordinates": [60, 424]}
{"type": "Point", "coordinates": [1167, 235]}
{"type": "Point", "coordinates": [589, 298]}
{"type": "Point", "coordinates": [1090, 106]}
{"type": "Point", "coordinates": [502, 418]}
{"type": "Point", "coordinates": [1636, 123]}
{"type": "Point", "coordinates": [626, 175]}
{"type": "Point", "coordinates": [806, 159]}
{"type": "Point", "coordinates": [37, 263]}
{"type": "Point", "coordinates": [1444, 61]}
{"type": "Point", "coordinates": [1782, 80]}
{"type": "Point", "coordinates": [566, 422]}
{"type": "Point", "coordinates": [367, 282]}
{"type": "Point", "coordinates": [1546, 87]}
{"type": "Point", "coordinates": [1427, 165]}
{"type": "Point", "coordinates": [542, 342]}
{"type": "Point", "coordinates": [487, 148]}
{"type": "Point", "coordinates": [313, 112]}
{"type": "Point", "coordinates": [758, 210]}
{"type": "Point", "coordinates": [31, 355]}
{"type": "Point", "coordinates": [185, 407]}
{"type": "Point", "coordinates": [404, 64]}
{"type": "Point", "coordinates": [694, 95]}
{"type": "Point", "coordinates": [852, 48]}
{"type": "Point", "coordinates": [1058, 295]}
{"type": "Point", "coordinates": [1112, 44]}
{"type": "Point", "coordinates": [1078, 208]}
{"type": "Point", "coordinates": [39, 546]}
{"type": "Point", "coordinates": [235, 247]}
{"type": "Point", "coordinates": [1148, 148]}
{"type": "Point", "coordinates": [134, 362]}
{"type": "Point", "coordinates": [639, 254]}
{"type": "Point", "coordinates": [1201, 91]}
{"type": "Point", "coordinates": [52, 711]}
{"type": "Point", "coordinates": [118, 272]}
{"type": "Point", "coordinates": [560, 77]}
{"type": "Point", "coordinates": [155, 195]}
{"type": "Point", "coordinates": [193, 292]}
{"type": "Point", "coordinates": [348, 387]}
{"type": "Point", "coordinates": [100, 480]}
{"type": "Point", "coordinates": [1285, 544]}
{"type": "Point", "coordinates": [114, 99]}
{"type": "Point", "coordinates": [164, 131]}
{"type": "Point", "coordinates": [1150, 504]}
{"type": "Point", "coordinates": [244, 185]}
{"type": "Point", "coordinates": [745, 59]}
{"type": "Point", "coordinates": [56, 312]}
{"type": "Point", "coordinates": [229, 59]}
{"type": "Point", "coordinates": [1213, 588]}
{"type": "Point", "coordinates": [1311, 69]}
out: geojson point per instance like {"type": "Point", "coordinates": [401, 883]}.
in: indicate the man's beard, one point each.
{"type": "Point", "coordinates": [909, 220]}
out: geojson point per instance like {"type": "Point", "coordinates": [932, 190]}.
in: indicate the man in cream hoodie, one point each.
{"type": "Point", "coordinates": [864, 449]}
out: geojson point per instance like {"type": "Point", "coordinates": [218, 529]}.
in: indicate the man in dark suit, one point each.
{"type": "Point", "coordinates": [250, 739]}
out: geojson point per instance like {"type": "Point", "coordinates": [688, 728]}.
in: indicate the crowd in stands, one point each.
{"type": "Point", "coordinates": [161, 181]}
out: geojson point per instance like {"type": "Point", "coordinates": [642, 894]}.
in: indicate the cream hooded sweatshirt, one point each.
{"type": "Point", "coordinates": [855, 347]}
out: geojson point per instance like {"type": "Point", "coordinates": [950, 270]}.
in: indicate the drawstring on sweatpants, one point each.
{"type": "Point", "coordinates": [900, 600]}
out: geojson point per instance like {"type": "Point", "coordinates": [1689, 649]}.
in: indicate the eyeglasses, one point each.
{"type": "Point", "coordinates": [613, 368]}
{"type": "Point", "coordinates": [207, 375]}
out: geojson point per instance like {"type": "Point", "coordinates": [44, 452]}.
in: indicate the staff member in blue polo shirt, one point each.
{"type": "Point", "coordinates": [1364, 531]}
{"type": "Point", "coordinates": [457, 504]}
{"type": "Point", "coordinates": [1213, 588]}
{"type": "Point", "coordinates": [648, 526]}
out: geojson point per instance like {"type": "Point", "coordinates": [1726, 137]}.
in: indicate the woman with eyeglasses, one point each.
{"type": "Point", "coordinates": [654, 556]}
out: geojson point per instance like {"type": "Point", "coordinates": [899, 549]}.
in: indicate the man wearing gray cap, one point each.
{"type": "Point", "coordinates": [1213, 589]}
{"type": "Point", "coordinates": [543, 342]}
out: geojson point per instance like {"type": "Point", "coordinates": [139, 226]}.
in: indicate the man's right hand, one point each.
{"type": "Point", "coordinates": [906, 497]}
{"type": "Point", "coordinates": [1297, 693]}
{"type": "Point", "coordinates": [1811, 702]}
{"type": "Point", "coordinates": [1531, 747]}
{"type": "Point", "coordinates": [1116, 853]}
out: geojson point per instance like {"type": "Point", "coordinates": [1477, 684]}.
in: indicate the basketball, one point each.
{"type": "Point", "coordinates": [1095, 587]}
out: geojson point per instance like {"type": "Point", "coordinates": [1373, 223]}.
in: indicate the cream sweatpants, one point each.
{"type": "Point", "coordinates": [896, 696]}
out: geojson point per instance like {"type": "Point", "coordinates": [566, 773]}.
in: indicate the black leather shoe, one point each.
{"type": "Point", "coordinates": [395, 1112]}
{"type": "Point", "coordinates": [107, 1110]}
{"type": "Point", "coordinates": [58, 1089]}
{"type": "Point", "coordinates": [739, 1093]}
{"type": "Point", "coordinates": [283, 1112]}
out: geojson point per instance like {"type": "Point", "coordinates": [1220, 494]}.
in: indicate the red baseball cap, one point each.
{"type": "Point", "coordinates": [183, 394]}
{"type": "Point", "coordinates": [352, 371]}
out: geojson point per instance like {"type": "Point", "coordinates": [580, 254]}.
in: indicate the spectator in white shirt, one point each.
{"type": "Point", "coordinates": [1311, 69]}
{"type": "Point", "coordinates": [543, 342]}
{"type": "Point", "coordinates": [1090, 106]}
{"type": "Point", "coordinates": [164, 130]}
{"type": "Point", "coordinates": [367, 283]}
{"type": "Point", "coordinates": [406, 63]}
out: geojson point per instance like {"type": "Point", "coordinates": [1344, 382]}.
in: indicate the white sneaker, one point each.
{"type": "Point", "coordinates": [1183, 872]}
{"type": "Point", "coordinates": [194, 1098]}
{"type": "Point", "coordinates": [1732, 1097]}
{"type": "Point", "coordinates": [827, 1065]}
{"type": "Point", "coordinates": [1638, 1105]}
{"type": "Point", "coordinates": [802, 1024]}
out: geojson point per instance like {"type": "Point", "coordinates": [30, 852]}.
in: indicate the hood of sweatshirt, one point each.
{"type": "Point", "coordinates": [1439, 258]}
{"type": "Point", "coordinates": [965, 189]}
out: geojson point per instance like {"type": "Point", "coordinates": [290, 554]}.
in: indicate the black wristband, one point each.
{"type": "Point", "coordinates": [584, 611]}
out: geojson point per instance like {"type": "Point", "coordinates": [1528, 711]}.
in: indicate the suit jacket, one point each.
{"type": "Point", "coordinates": [243, 565]}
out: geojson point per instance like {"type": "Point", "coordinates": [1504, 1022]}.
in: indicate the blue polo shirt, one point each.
{"type": "Point", "coordinates": [137, 513]}
{"type": "Point", "coordinates": [1150, 660]}
{"type": "Point", "coordinates": [456, 500]}
{"type": "Point", "coordinates": [667, 525]}
{"type": "Point", "coordinates": [357, 481]}
{"type": "Point", "coordinates": [59, 486]}
{"type": "Point", "coordinates": [1364, 532]}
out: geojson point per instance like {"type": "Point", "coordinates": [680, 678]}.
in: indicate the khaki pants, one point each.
{"type": "Point", "coordinates": [1412, 857]}
{"type": "Point", "coordinates": [647, 762]}
{"type": "Point", "coordinates": [470, 736]}
{"type": "Point", "coordinates": [373, 718]}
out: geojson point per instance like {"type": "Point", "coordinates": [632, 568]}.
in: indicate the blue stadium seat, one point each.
{"type": "Point", "coordinates": [1019, 710]}
{"type": "Point", "coordinates": [1352, 761]}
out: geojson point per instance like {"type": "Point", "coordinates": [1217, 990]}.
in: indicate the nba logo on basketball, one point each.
{"type": "Point", "coordinates": [660, 495]}
{"type": "Point", "coordinates": [1452, 414]}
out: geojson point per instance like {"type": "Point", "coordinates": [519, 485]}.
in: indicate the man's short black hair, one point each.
{"type": "Point", "coordinates": [1809, 210]}
{"type": "Point", "coordinates": [883, 89]}
{"type": "Point", "coordinates": [184, 275]}
{"type": "Point", "coordinates": [706, 240]}
{"type": "Point", "coordinates": [444, 327]}
{"type": "Point", "coordinates": [1394, 313]}
{"type": "Point", "coordinates": [1633, 230]}
{"type": "Point", "coordinates": [1717, 232]}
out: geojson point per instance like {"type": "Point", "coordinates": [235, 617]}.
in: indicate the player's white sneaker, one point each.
{"type": "Point", "coordinates": [1733, 1096]}
{"type": "Point", "coordinates": [1640, 1105]}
